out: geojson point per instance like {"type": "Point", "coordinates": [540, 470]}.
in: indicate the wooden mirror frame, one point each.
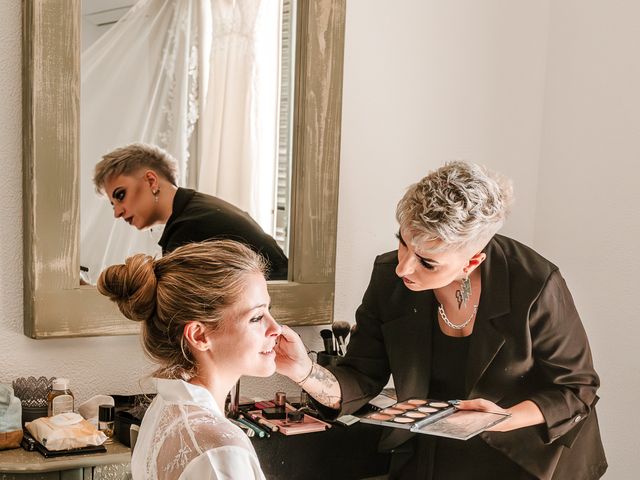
{"type": "Point", "coordinates": [55, 305]}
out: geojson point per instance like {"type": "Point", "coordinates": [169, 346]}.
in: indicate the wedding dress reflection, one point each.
{"type": "Point", "coordinates": [199, 78]}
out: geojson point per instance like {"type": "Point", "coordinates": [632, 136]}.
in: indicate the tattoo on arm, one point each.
{"type": "Point", "coordinates": [322, 385]}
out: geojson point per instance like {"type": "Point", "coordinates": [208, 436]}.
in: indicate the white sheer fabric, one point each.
{"type": "Point", "coordinates": [165, 68]}
{"type": "Point", "coordinates": [239, 130]}
{"type": "Point", "coordinates": [139, 83]}
{"type": "Point", "coordinates": [185, 436]}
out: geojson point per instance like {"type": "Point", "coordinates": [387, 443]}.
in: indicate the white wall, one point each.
{"type": "Point", "coordinates": [587, 216]}
{"type": "Point", "coordinates": [545, 93]}
{"type": "Point", "coordinates": [426, 82]}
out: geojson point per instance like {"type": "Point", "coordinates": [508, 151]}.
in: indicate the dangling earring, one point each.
{"type": "Point", "coordinates": [463, 295]}
{"type": "Point", "coordinates": [155, 194]}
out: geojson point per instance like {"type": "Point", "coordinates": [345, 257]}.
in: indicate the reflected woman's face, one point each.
{"type": "Point", "coordinates": [422, 269]}
{"type": "Point", "coordinates": [132, 199]}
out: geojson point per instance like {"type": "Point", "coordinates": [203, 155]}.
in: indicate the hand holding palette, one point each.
{"type": "Point", "coordinates": [433, 417]}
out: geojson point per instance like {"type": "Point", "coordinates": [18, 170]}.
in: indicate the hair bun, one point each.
{"type": "Point", "coordinates": [132, 286]}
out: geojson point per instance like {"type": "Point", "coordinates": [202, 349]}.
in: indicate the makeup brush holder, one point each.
{"type": "Point", "coordinates": [326, 360]}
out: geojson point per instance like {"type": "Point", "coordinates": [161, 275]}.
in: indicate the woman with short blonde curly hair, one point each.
{"type": "Point", "coordinates": [461, 312]}
{"type": "Point", "coordinates": [204, 310]}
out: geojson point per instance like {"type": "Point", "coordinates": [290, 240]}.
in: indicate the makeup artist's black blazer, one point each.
{"type": "Point", "coordinates": [196, 217]}
{"type": "Point", "coordinates": [527, 343]}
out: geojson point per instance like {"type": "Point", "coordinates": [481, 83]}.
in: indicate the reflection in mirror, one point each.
{"type": "Point", "coordinates": [209, 82]}
{"type": "Point", "coordinates": [55, 305]}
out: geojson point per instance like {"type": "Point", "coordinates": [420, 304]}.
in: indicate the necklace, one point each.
{"type": "Point", "coordinates": [458, 326]}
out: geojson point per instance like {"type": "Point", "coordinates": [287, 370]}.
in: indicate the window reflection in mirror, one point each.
{"type": "Point", "coordinates": [209, 83]}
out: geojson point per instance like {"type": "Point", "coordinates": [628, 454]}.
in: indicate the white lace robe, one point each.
{"type": "Point", "coordinates": [185, 436]}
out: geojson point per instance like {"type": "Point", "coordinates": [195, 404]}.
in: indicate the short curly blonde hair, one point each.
{"type": "Point", "coordinates": [131, 158]}
{"type": "Point", "coordinates": [458, 205]}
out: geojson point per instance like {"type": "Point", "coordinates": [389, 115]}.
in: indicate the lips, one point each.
{"type": "Point", "coordinates": [267, 352]}
{"type": "Point", "coordinates": [407, 281]}
{"type": "Point", "coordinates": [129, 220]}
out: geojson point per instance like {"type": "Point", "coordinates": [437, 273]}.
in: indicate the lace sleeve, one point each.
{"type": "Point", "coordinates": [224, 463]}
{"type": "Point", "coordinates": [187, 432]}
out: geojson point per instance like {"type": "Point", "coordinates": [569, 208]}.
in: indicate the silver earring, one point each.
{"type": "Point", "coordinates": [464, 293]}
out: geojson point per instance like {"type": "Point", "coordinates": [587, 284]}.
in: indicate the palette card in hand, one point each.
{"type": "Point", "coordinates": [434, 417]}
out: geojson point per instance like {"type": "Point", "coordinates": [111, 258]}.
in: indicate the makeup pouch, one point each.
{"type": "Point", "coordinates": [10, 418]}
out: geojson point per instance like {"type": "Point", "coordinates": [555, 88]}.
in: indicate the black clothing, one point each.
{"type": "Point", "coordinates": [448, 365]}
{"type": "Point", "coordinates": [197, 217]}
{"type": "Point", "coordinates": [528, 343]}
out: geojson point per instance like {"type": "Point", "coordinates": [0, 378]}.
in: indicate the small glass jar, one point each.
{"type": "Point", "coordinates": [60, 399]}
{"type": "Point", "coordinates": [106, 421]}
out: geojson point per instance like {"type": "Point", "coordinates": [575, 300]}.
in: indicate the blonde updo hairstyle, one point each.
{"type": "Point", "coordinates": [459, 205]}
{"type": "Point", "coordinates": [198, 281]}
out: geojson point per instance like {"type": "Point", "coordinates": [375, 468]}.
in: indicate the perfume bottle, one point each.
{"type": "Point", "coordinates": [106, 421]}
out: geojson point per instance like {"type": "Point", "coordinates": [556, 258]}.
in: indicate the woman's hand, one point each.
{"type": "Point", "coordinates": [292, 359]}
{"type": "Point", "coordinates": [524, 414]}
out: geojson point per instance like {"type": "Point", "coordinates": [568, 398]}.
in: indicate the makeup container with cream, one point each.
{"type": "Point", "coordinates": [434, 417]}
{"type": "Point", "coordinates": [278, 411]}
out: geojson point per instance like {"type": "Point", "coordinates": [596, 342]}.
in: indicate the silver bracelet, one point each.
{"type": "Point", "coordinates": [307, 375]}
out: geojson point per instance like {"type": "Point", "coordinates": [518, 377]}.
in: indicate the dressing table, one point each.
{"type": "Point", "coordinates": [339, 453]}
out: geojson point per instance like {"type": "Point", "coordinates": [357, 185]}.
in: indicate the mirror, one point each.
{"type": "Point", "coordinates": [208, 81]}
{"type": "Point", "coordinates": [54, 303]}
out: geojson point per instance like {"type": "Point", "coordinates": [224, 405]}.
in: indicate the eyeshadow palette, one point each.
{"type": "Point", "coordinates": [434, 417]}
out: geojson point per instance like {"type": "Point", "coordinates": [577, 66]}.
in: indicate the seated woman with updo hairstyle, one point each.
{"type": "Point", "coordinates": [204, 310]}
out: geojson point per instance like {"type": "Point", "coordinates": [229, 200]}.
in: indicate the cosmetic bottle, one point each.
{"type": "Point", "coordinates": [60, 399]}
{"type": "Point", "coordinates": [106, 420]}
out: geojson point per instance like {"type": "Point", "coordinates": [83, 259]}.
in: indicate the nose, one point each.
{"type": "Point", "coordinates": [273, 328]}
{"type": "Point", "coordinates": [117, 211]}
{"type": "Point", "coordinates": [406, 265]}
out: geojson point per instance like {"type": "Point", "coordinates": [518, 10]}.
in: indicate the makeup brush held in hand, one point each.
{"type": "Point", "coordinates": [327, 338]}
{"type": "Point", "coordinates": [341, 331]}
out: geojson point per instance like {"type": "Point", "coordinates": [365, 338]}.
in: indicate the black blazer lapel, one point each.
{"type": "Point", "coordinates": [408, 340]}
{"type": "Point", "coordinates": [486, 339]}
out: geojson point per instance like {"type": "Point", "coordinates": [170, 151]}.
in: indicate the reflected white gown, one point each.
{"type": "Point", "coordinates": [185, 436]}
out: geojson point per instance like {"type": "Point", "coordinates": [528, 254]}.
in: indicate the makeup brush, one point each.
{"type": "Point", "coordinates": [327, 338]}
{"type": "Point", "coordinates": [341, 330]}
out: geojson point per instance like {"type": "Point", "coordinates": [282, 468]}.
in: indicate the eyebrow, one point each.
{"type": "Point", "coordinates": [428, 260]}
{"type": "Point", "coordinates": [262, 305]}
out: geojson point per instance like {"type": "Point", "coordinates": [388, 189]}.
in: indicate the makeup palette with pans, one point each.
{"type": "Point", "coordinates": [410, 413]}
{"type": "Point", "coordinates": [434, 417]}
